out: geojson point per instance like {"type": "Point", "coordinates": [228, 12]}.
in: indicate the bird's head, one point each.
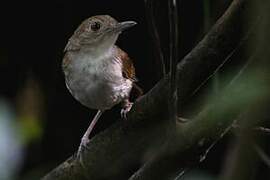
{"type": "Point", "coordinates": [98, 32]}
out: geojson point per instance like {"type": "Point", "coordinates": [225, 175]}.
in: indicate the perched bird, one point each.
{"type": "Point", "coordinates": [97, 73]}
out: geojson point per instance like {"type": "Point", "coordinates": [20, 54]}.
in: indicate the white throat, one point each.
{"type": "Point", "coordinates": [101, 48]}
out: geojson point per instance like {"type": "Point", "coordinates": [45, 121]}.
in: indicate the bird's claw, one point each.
{"type": "Point", "coordinates": [126, 109]}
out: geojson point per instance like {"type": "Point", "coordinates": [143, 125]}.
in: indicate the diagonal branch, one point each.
{"type": "Point", "coordinates": [117, 152]}
{"type": "Point", "coordinates": [211, 124]}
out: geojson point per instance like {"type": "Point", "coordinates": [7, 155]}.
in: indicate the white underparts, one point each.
{"type": "Point", "coordinates": [97, 81]}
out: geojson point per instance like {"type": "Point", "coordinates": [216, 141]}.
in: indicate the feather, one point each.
{"type": "Point", "coordinates": [128, 70]}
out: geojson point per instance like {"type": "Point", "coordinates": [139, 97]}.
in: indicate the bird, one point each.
{"type": "Point", "coordinates": [97, 72]}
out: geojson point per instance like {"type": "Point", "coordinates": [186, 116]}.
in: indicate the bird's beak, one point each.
{"type": "Point", "coordinates": [124, 25]}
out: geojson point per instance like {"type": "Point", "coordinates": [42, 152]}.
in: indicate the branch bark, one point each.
{"type": "Point", "coordinates": [196, 138]}
{"type": "Point", "coordinates": [118, 151]}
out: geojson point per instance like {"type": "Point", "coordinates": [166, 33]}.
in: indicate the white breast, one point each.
{"type": "Point", "coordinates": [97, 82]}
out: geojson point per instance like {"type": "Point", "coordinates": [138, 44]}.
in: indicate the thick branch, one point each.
{"type": "Point", "coordinates": [116, 152]}
{"type": "Point", "coordinates": [195, 138]}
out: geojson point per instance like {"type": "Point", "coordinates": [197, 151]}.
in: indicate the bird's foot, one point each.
{"type": "Point", "coordinates": [126, 108]}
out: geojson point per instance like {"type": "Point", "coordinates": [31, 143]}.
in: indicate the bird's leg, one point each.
{"type": "Point", "coordinates": [85, 138]}
{"type": "Point", "coordinates": [137, 92]}
{"type": "Point", "coordinates": [126, 106]}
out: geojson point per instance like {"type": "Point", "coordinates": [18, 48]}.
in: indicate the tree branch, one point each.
{"type": "Point", "coordinates": [116, 152]}
{"type": "Point", "coordinates": [197, 137]}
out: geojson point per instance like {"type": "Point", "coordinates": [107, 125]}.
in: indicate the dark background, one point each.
{"type": "Point", "coordinates": [33, 36]}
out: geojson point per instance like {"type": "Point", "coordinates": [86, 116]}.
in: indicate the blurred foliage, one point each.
{"type": "Point", "coordinates": [19, 127]}
{"type": "Point", "coordinates": [30, 111]}
{"type": "Point", "coordinates": [11, 149]}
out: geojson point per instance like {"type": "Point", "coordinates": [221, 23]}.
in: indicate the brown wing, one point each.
{"type": "Point", "coordinates": [128, 69]}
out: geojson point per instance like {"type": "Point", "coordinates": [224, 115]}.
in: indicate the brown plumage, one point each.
{"type": "Point", "coordinates": [128, 72]}
{"type": "Point", "coordinates": [128, 67]}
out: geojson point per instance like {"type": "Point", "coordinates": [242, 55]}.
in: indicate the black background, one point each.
{"type": "Point", "coordinates": [33, 36]}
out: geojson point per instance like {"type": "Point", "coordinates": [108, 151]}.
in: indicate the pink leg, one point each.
{"type": "Point", "coordinates": [85, 138]}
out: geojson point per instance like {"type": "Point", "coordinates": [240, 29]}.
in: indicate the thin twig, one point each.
{"type": "Point", "coordinates": [228, 58]}
{"type": "Point", "coordinates": [259, 129]}
{"type": "Point", "coordinates": [264, 157]}
{"type": "Point", "coordinates": [155, 35]}
{"type": "Point", "coordinates": [262, 129]}
{"type": "Point", "coordinates": [181, 173]}
{"type": "Point", "coordinates": [173, 21]}
{"type": "Point", "coordinates": [204, 154]}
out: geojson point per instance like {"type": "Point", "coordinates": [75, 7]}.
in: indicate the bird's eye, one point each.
{"type": "Point", "coordinates": [95, 26]}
